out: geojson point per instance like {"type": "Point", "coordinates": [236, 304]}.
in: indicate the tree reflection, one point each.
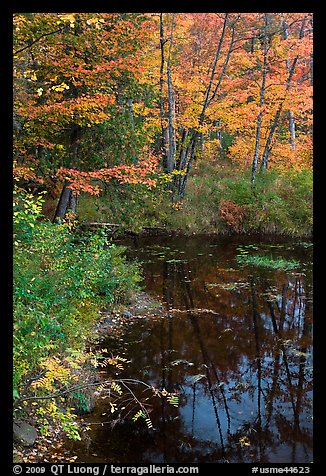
{"type": "Point", "coordinates": [276, 359]}
{"type": "Point", "coordinates": [236, 343]}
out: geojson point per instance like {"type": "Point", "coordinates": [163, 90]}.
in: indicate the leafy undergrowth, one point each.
{"type": "Point", "coordinates": [65, 284]}
{"type": "Point", "coordinates": [61, 282]}
{"type": "Point", "coordinates": [219, 199]}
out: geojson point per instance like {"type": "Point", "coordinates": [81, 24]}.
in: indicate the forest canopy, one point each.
{"type": "Point", "coordinates": [126, 96]}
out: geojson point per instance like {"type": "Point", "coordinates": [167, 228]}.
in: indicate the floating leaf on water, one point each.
{"type": "Point", "coordinates": [195, 378]}
{"type": "Point", "coordinates": [181, 361]}
{"type": "Point", "coordinates": [229, 286]}
{"type": "Point", "coordinates": [176, 261]}
{"type": "Point", "coordinates": [298, 353]}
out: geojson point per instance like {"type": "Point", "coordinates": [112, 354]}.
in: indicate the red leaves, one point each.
{"type": "Point", "coordinates": [25, 173]}
{"type": "Point", "coordinates": [142, 173]}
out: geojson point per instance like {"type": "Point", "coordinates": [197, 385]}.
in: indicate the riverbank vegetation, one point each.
{"type": "Point", "coordinates": [61, 281]}
{"type": "Point", "coordinates": [216, 202]}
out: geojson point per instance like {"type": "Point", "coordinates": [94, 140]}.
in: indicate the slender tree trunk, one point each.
{"type": "Point", "coordinates": [290, 115]}
{"type": "Point", "coordinates": [261, 103]}
{"type": "Point", "coordinates": [171, 130]}
{"type": "Point", "coordinates": [164, 132]}
{"type": "Point", "coordinates": [292, 130]}
{"type": "Point", "coordinates": [256, 153]}
{"type": "Point", "coordinates": [65, 201]}
{"type": "Point", "coordinates": [268, 145]}
{"type": "Point", "coordinates": [68, 199]}
{"type": "Point", "coordinates": [168, 134]}
{"type": "Point", "coordinates": [171, 109]}
{"type": "Point", "coordinates": [256, 318]}
{"type": "Point", "coordinates": [210, 95]}
{"type": "Point", "coordinates": [132, 124]}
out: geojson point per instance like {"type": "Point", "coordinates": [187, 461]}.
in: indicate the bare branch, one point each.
{"type": "Point", "coordinates": [38, 39]}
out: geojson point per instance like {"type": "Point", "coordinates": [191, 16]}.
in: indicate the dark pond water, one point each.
{"type": "Point", "coordinates": [235, 343]}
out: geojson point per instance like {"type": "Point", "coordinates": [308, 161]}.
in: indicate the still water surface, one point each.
{"type": "Point", "coordinates": [235, 343]}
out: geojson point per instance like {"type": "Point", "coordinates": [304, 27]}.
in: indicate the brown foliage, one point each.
{"type": "Point", "coordinates": [232, 214]}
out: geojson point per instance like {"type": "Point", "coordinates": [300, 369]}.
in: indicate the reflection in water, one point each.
{"type": "Point", "coordinates": [236, 344]}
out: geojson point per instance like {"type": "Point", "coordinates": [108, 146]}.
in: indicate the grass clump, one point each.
{"type": "Point", "coordinates": [220, 199]}
{"type": "Point", "coordinates": [267, 262]}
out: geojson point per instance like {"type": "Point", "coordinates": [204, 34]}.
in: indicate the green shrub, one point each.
{"type": "Point", "coordinates": [61, 281]}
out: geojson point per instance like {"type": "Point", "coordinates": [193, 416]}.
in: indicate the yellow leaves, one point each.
{"type": "Point", "coordinates": [116, 387]}
{"type": "Point", "coordinates": [60, 87]}
{"type": "Point", "coordinates": [94, 362]}
{"type": "Point", "coordinates": [204, 129]}
{"type": "Point", "coordinates": [141, 110]}
{"type": "Point", "coordinates": [139, 414]}
{"type": "Point", "coordinates": [30, 75]}
{"type": "Point", "coordinates": [173, 400]}
{"type": "Point", "coordinates": [42, 383]}
{"type": "Point", "coordinates": [244, 441]}
{"type": "Point", "coordinates": [177, 206]}
{"type": "Point", "coordinates": [98, 361]}
{"type": "Point", "coordinates": [67, 17]}
{"type": "Point", "coordinates": [96, 22]}
{"type": "Point", "coordinates": [56, 373]}
{"type": "Point", "coordinates": [40, 91]}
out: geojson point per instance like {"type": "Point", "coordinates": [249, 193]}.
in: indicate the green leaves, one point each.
{"type": "Point", "coordinates": [139, 414]}
{"type": "Point", "coordinates": [61, 279]}
{"type": "Point", "coordinates": [173, 400]}
{"type": "Point", "coordinates": [26, 211]}
{"type": "Point", "coordinates": [266, 261]}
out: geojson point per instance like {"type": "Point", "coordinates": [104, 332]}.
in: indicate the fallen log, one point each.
{"type": "Point", "coordinates": [113, 227]}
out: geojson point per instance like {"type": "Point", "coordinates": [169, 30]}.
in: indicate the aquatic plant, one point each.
{"type": "Point", "coordinates": [266, 261]}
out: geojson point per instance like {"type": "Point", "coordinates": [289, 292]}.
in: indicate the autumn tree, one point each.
{"type": "Point", "coordinates": [199, 48]}
{"type": "Point", "coordinates": [95, 91]}
{"type": "Point", "coordinates": [268, 91]}
{"type": "Point", "coordinates": [200, 62]}
{"type": "Point", "coordinates": [77, 82]}
{"type": "Point", "coordinates": [245, 74]}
